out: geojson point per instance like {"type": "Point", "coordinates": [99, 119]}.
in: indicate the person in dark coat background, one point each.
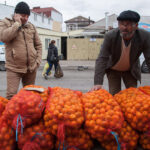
{"type": "Point", "coordinates": [119, 55]}
{"type": "Point", "coordinates": [52, 57]}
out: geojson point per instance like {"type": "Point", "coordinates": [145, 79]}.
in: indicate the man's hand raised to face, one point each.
{"type": "Point", "coordinates": [17, 18]}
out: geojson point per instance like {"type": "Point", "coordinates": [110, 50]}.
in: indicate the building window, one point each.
{"type": "Point", "coordinates": [48, 20]}
{"type": "Point", "coordinates": [35, 17]}
{"type": "Point", "coordinates": [42, 17]}
{"type": "Point", "coordinates": [47, 41]}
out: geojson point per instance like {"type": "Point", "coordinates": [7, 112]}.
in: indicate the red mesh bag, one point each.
{"type": "Point", "coordinates": [3, 103]}
{"type": "Point", "coordinates": [35, 137]}
{"type": "Point", "coordinates": [145, 89]}
{"type": "Point", "coordinates": [7, 136]}
{"type": "Point", "coordinates": [145, 140]}
{"type": "Point", "coordinates": [39, 90]}
{"type": "Point", "coordinates": [75, 139]}
{"type": "Point", "coordinates": [64, 110]}
{"type": "Point", "coordinates": [102, 114]}
{"type": "Point", "coordinates": [135, 105]}
{"type": "Point", "coordinates": [24, 109]}
{"type": "Point", "coordinates": [127, 139]}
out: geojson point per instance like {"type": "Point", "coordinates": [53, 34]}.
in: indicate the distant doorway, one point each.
{"type": "Point", "coordinates": [64, 47]}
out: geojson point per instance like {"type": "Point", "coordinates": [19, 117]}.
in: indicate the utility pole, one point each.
{"type": "Point", "coordinates": [106, 21]}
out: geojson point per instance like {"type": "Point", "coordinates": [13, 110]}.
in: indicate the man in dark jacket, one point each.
{"type": "Point", "coordinates": [119, 55]}
{"type": "Point", "coordinates": [52, 57]}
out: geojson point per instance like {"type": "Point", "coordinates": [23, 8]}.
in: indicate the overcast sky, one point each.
{"type": "Point", "coordinates": [95, 9]}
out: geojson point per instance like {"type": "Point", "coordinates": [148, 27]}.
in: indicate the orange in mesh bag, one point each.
{"type": "Point", "coordinates": [145, 89]}
{"type": "Point", "coordinates": [7, 136]}
{"type": "Point", "coordinates": [35, 137]}
{"type": "Point", "coordinates": [136, 108]}
{"type": "Point", "coordinates": [102, 114]}
{"type": "Point", "coordinates": [39, 90]}
{"type": "Point", "coordinates": [64, 110]}
{"type": "Point", "coordinates": [145, 140]}
{"type": "Point", "coordinates": [3, 103]}
{"type": "Point", "coordinates": [127, 139]}
{"type": "Point", "coordinates": [24, 109]}
{"type": "Point", "coordinates": [76, 139]}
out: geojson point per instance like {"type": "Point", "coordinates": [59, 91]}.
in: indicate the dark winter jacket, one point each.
{"type": "Point", "coordinates": [111, 51]}
{"type": "Point", "coordinates": [52, 50]}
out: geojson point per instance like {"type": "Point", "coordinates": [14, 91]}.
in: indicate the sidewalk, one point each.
{"type": "Point", "coordinates": [74, 64]}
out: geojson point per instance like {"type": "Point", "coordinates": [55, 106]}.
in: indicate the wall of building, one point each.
{"type": "Point", "coordinates": [57, 21]}
{"type": "Point", "coordinates": [56, 16]}
{"type": "Point", "coordinates": [83, 49]}
{"type": "Point", "coordinates": [57, 26]}
{"type": "Point", "coordinates": [46, 36]}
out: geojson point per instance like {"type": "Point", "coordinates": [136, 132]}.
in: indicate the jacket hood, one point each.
{"type": "Point", "coordinates": [51, 46]}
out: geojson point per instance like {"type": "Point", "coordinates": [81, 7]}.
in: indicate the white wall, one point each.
{"type": "Point", "coordinates": [56, 16]}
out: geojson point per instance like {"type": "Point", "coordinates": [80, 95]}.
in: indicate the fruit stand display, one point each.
{"type": "Point", "coordinates": [39, 118]}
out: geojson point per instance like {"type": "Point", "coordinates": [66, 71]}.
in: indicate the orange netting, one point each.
{"type": "Point", "coordinates": [102, 114]}
{"type": "Point", "coordinates": [35, 137]}
{"type": "Point", "coordinates": [64, 109]}
{"type": "Point", "coordinates": [3, 103]}
{"type": "Point", "coordinates": [7, 136]}
{"type": "Point", "coordinates": [135, 105]}
{"type": "Point", "coordinates": [24, 109]}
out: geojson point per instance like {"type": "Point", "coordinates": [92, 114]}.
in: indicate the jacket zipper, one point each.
{"type": "Point", "coordinates": [26, 48]}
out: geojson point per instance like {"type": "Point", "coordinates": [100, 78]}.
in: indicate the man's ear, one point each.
{"type": "Point", "coordinates": [136, 25]}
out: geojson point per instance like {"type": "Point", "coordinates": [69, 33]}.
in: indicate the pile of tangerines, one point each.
{"type": "Point", "coordinates": [61, 118]}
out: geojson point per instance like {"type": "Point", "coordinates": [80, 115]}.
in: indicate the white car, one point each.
{"type": "Point", "coordinates": [2, 59]}
{"type": "Point", "coordinates": [144, 67]}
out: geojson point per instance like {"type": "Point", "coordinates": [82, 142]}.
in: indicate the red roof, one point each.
{"type": "Point", "coordinates": [46, 11]}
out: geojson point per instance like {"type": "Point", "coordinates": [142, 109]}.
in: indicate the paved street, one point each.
{"type": "Point", "coordinates": [74, 79]}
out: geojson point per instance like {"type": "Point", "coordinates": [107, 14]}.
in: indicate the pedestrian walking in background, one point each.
{"type": "Point", "coordinates": [119, 54]}
{"type": "Point", "coordinates": [23, 48]}
{"type": "Point", "coordinates": [52, 58]}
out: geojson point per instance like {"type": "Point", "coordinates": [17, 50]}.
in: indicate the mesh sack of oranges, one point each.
{"type": "Point", "coordinates": [102, 114]}
{"type": "Point", "coordinates": [64, 110]}
{"type": "Point", "coordinates": [145, 89]}
{"type": "Point", "coordinates": [75, 139]}
{"type": "Point", "coordinates": [126, 139]}
{"type": "Point", "coordinates": [7, 136]}
{"type": "Point", "coordinates": [135, 105]}
{"type": "Point", "coordinates": [39, 90]}
{"type": "Point", "coordinates": [3, 103]}
{"type": "Point", "coordinates": [36, 137]}
{"type": "Point", "coordinates": [145, 140]}
{"type": "Point", "coordinates": [24, 109]}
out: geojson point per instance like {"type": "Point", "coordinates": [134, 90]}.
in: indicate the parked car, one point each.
{"type": "Point", "coordinates": [144, 67]}
{"type": "Point", "coordinates": [2, 59]}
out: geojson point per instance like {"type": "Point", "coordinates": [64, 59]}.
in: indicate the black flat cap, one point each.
{"type": "Point", "coordinates": [22, 8]}
{"type": "Point", "coordinates": [129, 15]}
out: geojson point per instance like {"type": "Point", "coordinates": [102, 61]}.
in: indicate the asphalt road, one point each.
{"type": "Point", "coordinates": [73, 79]}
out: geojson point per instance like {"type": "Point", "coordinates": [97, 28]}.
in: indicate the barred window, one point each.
{"type": "Point", "coordinates": [47, 41]}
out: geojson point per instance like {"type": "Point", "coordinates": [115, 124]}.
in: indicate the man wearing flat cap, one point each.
{"type": "Point", "coordinates": [23, 48]}
{"type": "Point", "coordinates": [119, 54]}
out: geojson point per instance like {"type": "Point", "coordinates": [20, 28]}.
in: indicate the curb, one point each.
{"type": "Point", "coordinates": [79, 68]}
